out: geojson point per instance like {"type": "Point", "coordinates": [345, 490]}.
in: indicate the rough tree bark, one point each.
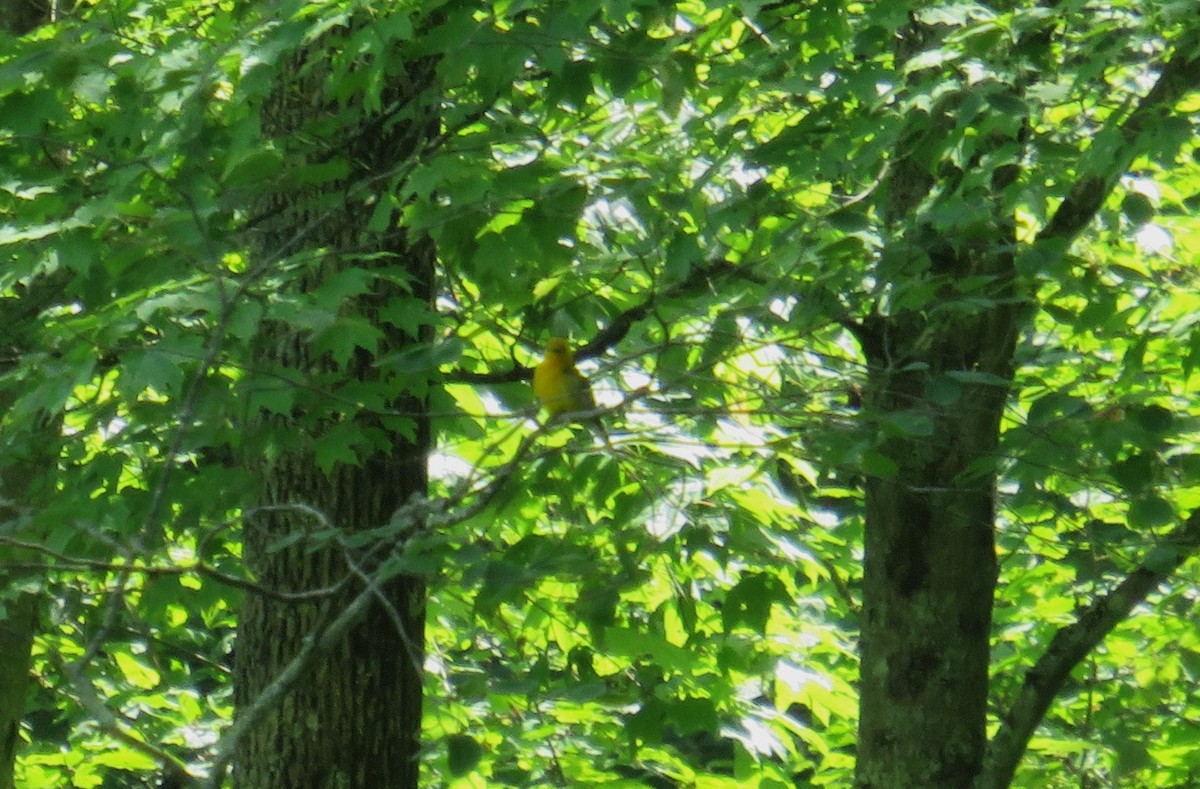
{"type": "Point", "coordinates": [353, 719]}
{"type": "Point", "coordinates": [939, 374]}
{"type": "Point", "coordinates": [930, 562]}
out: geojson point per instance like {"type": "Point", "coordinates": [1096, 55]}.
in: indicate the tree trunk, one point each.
{"type": "Point", "coordinates": [929, 568]}
{"type": "Point", "coordinates": [16, 634]}
{"type": "Point", "coordinates": [18, 610]}
{"type": "Point", "coordinates": [28, 463]}
{"type": "Point", "coordinates": [940, 369]}
{"type": "Point", "coordinates": [936, 391]}
{"type": "Point", "coordinates": [19, 17]}
{"type": "Point", "coordinates": [27, 482]}
{"type": "Point", "coordinates": [353, 719]}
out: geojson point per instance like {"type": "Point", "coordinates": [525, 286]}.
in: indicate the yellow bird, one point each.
{"type": "Point", "coordinates": [559, 387]}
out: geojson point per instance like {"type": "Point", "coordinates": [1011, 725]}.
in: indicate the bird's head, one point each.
{"type": "Point", "coordinates": [557, 346]}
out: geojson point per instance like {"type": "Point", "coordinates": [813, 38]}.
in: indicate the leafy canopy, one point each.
{"type": "Point", "coordinates": [709, 183]}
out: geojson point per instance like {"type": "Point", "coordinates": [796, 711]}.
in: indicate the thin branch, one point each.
{"type": "Point", "coordinates": [1072, 644]}
{"type": "Point", "coordinates": [85, 692]}
{"type": "Point", "coordinates": [616, 330]}
{"type": "Point", "coordinates": [402, 631]}
{"type": "Point", "coordinates": [314, 645]}
{"type": "Point", "coordinates": [156, 571]}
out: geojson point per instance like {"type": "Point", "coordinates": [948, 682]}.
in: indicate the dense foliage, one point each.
{"type": "Point", "coordinates": [691, 192]}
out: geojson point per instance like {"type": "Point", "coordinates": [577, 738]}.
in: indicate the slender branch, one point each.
{"type": "Point", "coordinates": [156, 571]}
{"type": "Point", "coordinates": [1177, 77]}
{"type": "Point", "coordinates": [314, 645]}
{"type": "Point", "coordinates": [1072, 644]}
{"type": "Point", "coordinates": [85, 692]}
{"type": "Point", "coordinates": [410, 646]}
{"type": "Point", "coordinates": [616, 330]}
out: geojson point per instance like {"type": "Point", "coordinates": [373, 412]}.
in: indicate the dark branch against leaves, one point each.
{"type": "Point", "coordinates": [1073, 643]}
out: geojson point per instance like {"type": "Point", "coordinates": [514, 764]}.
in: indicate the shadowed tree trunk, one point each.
{"type": "Point", "coordinates": [21, 16]}
{"type": "Point", "coordinates": [16, 634]}
{"type": "Point", "coordinates": [930, 563]}
{"type": "Point", "coordinates": [353, 718]}
{"type": "Point", "coordinates": [939, 377]}
{"type": "Point", "coordinates": [28, 458]}
{"type": "Point", "coordinates": [18, 610]}
{"type": "Point", "coordinates": [940, 370]}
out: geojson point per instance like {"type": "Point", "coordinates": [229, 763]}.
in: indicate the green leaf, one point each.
{"type": "Point", "coordinates": [136, 672]}
{"type": "Point", "coordinates": [345, 336]}
{"type": "Point", "coordinates": [1154, 419]}
{"type": "Point", "coordinates": [750, 602]}
{"type": "Point", "coordinates": [253, 167]}
{"type": "Point", "coordinates": [273, 394]}
{"type": "Point", "coordinates": [646, 725]}
{"type": "Point", "coordinates": [245, 319]}
{"type": "Point", "coordinates": [977, 377]}
{"type": "Point", "coordinates": [907, 423]}
{"type": "Point", "coordinates": [878, 464]}
{"type": "Point", "coordinates": [1150, 512]}
{"type": "Point", "coordinates": [336, 288]}
{"type": "Point", "coordinates": [1055, 406]}
{"type": "Point", "coordinates": [596, 608]}
{"type": "Point", "coordinates": [635, 644]}
{"type": "Point", "coordinates": [423, 358]}
{"type": "Point", "coordinates": [151, 368]}
{"type": "Point", "coordinates": [1134, 473]}
{"type": "Point", "coordinates": [319, 173]}
{"type": "Point", "coordinates": [943, 390]}
{"type": "Point", "coordinates": [1137, 208]}
{"type": "Point", "coordinates": [462, 754]}
{"type": "Point", "coordinates": [1008, 103]}
{"type": "Point", "coordinates": [573, 85]}
{"type": "Point", "coordinates": [337, 446]}
{"type": "Point", "coordinates": [691, 715]}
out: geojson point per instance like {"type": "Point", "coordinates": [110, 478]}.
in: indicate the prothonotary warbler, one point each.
{"type": "Point", "coordinates": [559, 387]}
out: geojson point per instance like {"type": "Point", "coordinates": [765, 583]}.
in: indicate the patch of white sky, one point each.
{"type": "Point", "coordinates": [1154, 239]}
{"type": "Point", "coordinates": [445, 466]}
{"type": "Point", "coordinates": [615, 213]}
{"type": "Point", "coordinates": [757, 736]}
{"type": "Point", "coordinates": [1151, 238]}
{"type": "Point", "coordinates": [668, 513]}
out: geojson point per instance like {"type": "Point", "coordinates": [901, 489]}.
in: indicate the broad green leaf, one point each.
{"type": "Point", "coordinates": [463, 753]}
{"type": "Point", "coordinates": [139, 674]}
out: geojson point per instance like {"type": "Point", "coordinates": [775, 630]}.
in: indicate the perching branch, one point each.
{"type": "Point", "coordinates": [616, 330]}
{"type": "Point", "coordinates": [1072, 643]}
{"type": "Point", "coordinates": [1179, 75]}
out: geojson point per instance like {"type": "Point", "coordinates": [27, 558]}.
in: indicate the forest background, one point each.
{"type": "Point", "coordinates": [891, 314]}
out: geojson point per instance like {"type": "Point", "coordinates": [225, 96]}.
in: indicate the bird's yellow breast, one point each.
{"type": "Point", "coordinates": [558, 385]}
